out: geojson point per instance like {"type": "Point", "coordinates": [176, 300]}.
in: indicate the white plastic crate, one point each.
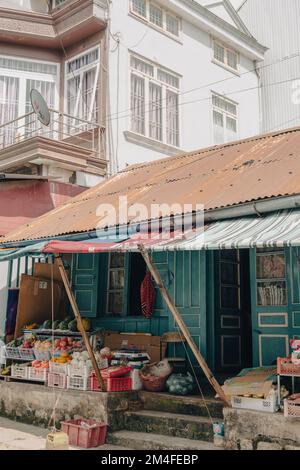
{"type": "Point", "coordinates": [12, 352]}
{"type": "Point", "coordinates": [75, 371]}
{"type": "Point", "coordinates": [19, 371]}
{"type": "Point", "coordinates": [2, 353]}
{"type": "Point", "coordinates": [57, 380]}
{"type": "Point", "coordinates": [269, 404]}
{"type": "Point", "coordinates": [37, 375]}
{"type": "Point", "coordinates": [79, 383]}
{"type": "Point", "coordinates": [27, 354]}
{"type": "Point", "coordinates": [56, 368]}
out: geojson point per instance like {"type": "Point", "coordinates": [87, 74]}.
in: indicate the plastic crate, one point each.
{"type": "Point", "coordinates": [75, 371]}
{"type": "Point", "coordinates": [79, 383]}
{"type": "Point", "coordinates": [291, 406]}
{"type": "Point", "coordinates": [269, 404]}
{"type": "Point", "coordinates": [42, 355]}
{"type": "Point", "coordinates": [2, 354]}
{"type": "Point", "coordinates": [26, 354]}
{"type": "Point", "coordinates": [57, 380]}
{"type": "Point", "coordinates": [57, 368]}
{"type": "Point", "coordinates": [286, 367]}
{"type": "Point", "coordinates": [80, 435]}
{"type": "Point", "coordinates": [12, 352]}
{"type": "Point", "coordinates": [19, 371]}
{"type": "Point", "coordinates": [37, 375]}
{"type": "Point", "coordinates": [112, 384]}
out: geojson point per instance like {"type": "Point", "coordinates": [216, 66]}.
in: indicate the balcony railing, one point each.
{"type": "Point", "coordinates": [63, 128]}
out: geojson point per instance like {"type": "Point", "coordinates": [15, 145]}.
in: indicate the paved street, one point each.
{"type": "Point", "coordinates": [19, 436]}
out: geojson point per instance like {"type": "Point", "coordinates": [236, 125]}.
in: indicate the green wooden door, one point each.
{"type": "Point", "coordinates": [275, 303]}
{"type": "Point", "coordinates": [85, 276]}
{"type": "Point", "coordinates": [189, 268]}
{"type": "Point", "coordinates": [232, 327]}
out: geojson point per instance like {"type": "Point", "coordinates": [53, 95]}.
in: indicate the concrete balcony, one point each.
{"type": "Point", "coordinates": [70, 22]}
{"type": "Point", "coordinates": [68, 143]}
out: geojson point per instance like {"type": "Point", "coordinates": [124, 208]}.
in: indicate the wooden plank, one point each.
{"type": "Point", "coordinates": [79, 320]}
{"type": "Point", "coordinates": [156, 276]}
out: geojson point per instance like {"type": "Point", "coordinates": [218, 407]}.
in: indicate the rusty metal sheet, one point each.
{"type": "Point", "coordinates": [221, 176]}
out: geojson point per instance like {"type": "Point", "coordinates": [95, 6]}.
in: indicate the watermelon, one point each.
{"type": "Point", "coordinates": [63, 326]}
{"type": "Point", "coordinates": [72, 326]}
{"type": "Point", "coordinates": [56, 324]}
{"type": "Point", "coordinates": [46, 325]}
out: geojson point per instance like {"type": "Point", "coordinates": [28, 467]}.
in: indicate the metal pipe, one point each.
{"type": "Point", "coordinates": [252, 208]}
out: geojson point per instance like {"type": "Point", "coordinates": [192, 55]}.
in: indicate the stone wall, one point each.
{"type": "Point", "coordinates": [33, 404]}
{"type": "Point", "coordinates": [252, 430]}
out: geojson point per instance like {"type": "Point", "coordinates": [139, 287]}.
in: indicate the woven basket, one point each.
{"type": "Point", "coordinates": [152, 383]}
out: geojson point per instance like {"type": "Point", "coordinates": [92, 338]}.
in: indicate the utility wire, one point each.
{"type": "Point", "coordinates": [234, 77]}
{"type": "Point", "coordinates": [208, 98]}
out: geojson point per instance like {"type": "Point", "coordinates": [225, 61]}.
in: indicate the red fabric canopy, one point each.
{"type": "Point", "coordinates": [131, 244]}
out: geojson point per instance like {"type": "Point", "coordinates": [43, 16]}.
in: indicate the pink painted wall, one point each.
{"type": "Point", "coordinates": [22, 201]}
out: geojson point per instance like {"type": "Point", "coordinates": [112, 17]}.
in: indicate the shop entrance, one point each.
{"type": "Point", "coordinates": [233, 327]}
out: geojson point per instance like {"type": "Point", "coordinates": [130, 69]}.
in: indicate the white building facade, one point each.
{"type": "Point", "coordinates": [276, 24]}
{"type": "Point", "coordinates": [182, 76]}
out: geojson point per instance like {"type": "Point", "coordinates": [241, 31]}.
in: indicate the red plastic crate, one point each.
{"type": "Point", "coordinates": [113, 384]}
{"type": "Point", "coordinates": [81, 436]}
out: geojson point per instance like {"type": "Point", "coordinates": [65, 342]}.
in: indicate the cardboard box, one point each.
{"type": "Point", "coordinates": [251, 382]}
{"type": "Point", "coordinates": [35, 301]}
{"type": "Point", "coordinates": [153, 345]}
{"type": "Point", "coordinates": [47, 270]}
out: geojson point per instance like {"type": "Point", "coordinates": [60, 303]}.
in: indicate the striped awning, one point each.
{"type": "Point", "coordinates": [278, 229]}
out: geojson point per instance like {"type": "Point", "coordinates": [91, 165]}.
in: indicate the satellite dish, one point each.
{"type": "Point", "coordinates": [40, 107]}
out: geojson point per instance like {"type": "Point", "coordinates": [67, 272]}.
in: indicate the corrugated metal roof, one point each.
{"type": "Point", "coordinates": [226, 175]}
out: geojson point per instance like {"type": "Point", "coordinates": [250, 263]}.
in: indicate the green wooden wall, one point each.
{"type": "Point", "coordinates": [184, 275]}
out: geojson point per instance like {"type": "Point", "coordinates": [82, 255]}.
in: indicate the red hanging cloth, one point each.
{"type": "Point", "coordinates": [148, 295]}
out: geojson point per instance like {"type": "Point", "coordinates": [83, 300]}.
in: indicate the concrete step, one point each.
{"type": "Point", "coordinates": [146, 441]}
{"type": "Point", "coordinates": [169, 424]}
{"type": "Point", "coordinates": [191, 405]}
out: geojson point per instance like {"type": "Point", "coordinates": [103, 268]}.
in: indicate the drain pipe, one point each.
{"type": "Point", "coordinates": [253, 208]}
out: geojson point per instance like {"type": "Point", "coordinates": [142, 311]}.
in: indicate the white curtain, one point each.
{"type": "Point", "coordinates": [137, 104]}
{"type": "Point", "coordinates": [218, 121]}
{"type": "Point", "coordinates": [155, 112]}
{"type": "Point", "coordinates": [82, 95]}
{"type": "Point", "coordinates": [9, 103]}
{"type": "Point", "coordinates": [88, 108]}
{"type": "Point", "coordinates": [172, 119]}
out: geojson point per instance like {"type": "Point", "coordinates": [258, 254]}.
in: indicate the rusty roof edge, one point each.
{"type": "Point", "coordinates": [250, 208]}
{"type": "Point", "coordinates": [202, 151]}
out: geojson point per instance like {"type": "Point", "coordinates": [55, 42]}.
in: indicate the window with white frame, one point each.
{"type": "Point", "coordinates": [225, 119]}
{"type": "Point", "coordinates": [17, 78]}
{"type": "Point", "coordinates": [226, 56]}
{"type": "Point", "coordinates": [82, 87]}
{"type": "Point", "coordinates": [154, 101]}
{"type": "Point", "coordinates": [156, 16]}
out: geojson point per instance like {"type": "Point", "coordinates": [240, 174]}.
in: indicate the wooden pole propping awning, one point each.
{"type": "Point", "coordinates": [182, 326]}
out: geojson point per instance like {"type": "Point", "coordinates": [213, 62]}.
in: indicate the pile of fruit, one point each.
{"type": "Point", "coordinates": [40, 364]}
{"type": "Point", "coordinates": [6, 371]}
{"type": "Point", "coordinates": [64, 358]}
{"type": "Point", "coordinates": [28, 342]}
{"type": "Point", "coordinates": [66, 344]}
{"type": "Point", "coordinates": [43, 345]}
{"type": "Point", "coordinates": [68, 324]}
